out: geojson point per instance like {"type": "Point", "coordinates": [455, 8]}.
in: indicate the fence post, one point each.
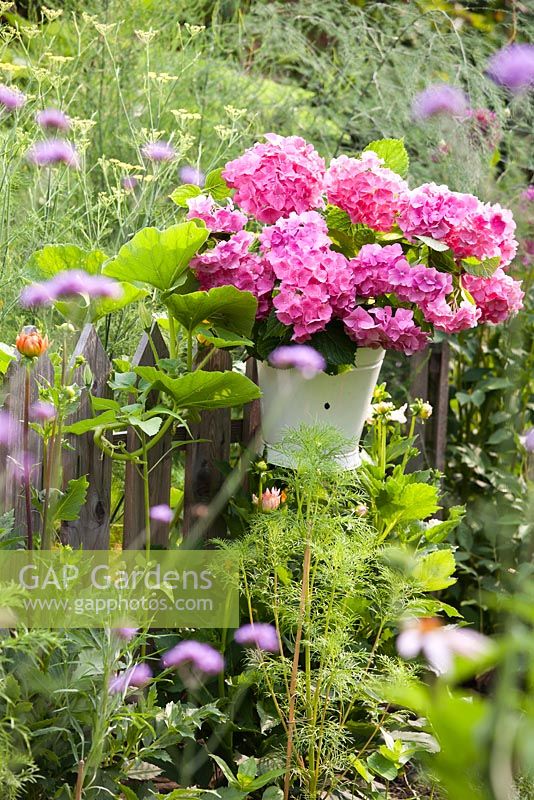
{"type": "Point", "coordinates": [91, 529]}
{"type": "Point", "coordinates": [203, 478]}
{"type": "Point", "coordinates": [430, 380]}
{"type": "Point", "coordinates": [151, 345]}
{"type": "Point", "coordinates": [42, 372]}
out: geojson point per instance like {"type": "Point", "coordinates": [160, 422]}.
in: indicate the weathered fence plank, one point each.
{"type": "Point", "coordinates": [151, 343]}
{"type": "Point", "coordinates": [13, 490]}
{"type": "Point", "coordinates": [430, 380]}
{"type": "Point", "coordinates": [203, 477]}
{"type": "Point", "coordinates": [91, 529]}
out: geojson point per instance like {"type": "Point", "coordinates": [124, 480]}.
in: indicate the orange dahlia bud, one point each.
{"type": "Point", "coordinates": [30, 342]}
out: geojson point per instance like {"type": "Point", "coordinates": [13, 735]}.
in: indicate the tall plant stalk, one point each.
{"type": "Point", "coordinates": [25, 456]}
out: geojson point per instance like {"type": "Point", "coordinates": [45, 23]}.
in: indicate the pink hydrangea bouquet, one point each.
{"type": "Point", "coordinates": [349, 255]}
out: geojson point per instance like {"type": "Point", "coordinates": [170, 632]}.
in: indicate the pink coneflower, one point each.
{"type": "Point", "coordinates": [200, 656]}
{"type": "Point", "coordinates": [190, 174]}
{"type": "Point", "coordinates": [11, 99]}
{"type": "Point", "coordinates": [161, 513]}
{"type": "Point", "coordinates": [513, 67]}
{"type": "Point", "coordinates": [158, 151]}
{"type": "Point", "coordinates": [42, 412]}
{"type": "Point", "coordinates": [260, 635]}
{"type": "Point", "coordinates": [440, 98]}
{"type": "Point", "coordinates": [300, 356]}
{"type": "Point", "coordinates": [54, 151]}
{"type": "Point", "coordinates": [138, 676]}
{"type": "Point", "coordinates": [439, 643]}
{"type": "Point", "coordinates": [52, 119]}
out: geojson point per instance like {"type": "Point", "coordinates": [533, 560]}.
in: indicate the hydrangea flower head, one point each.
{"type": "Point", "coordinates": [11, 99]}
{"type": "Point", "coordinates": [274, 178]}
{"type": "Point", "coordinates": [452, 320]}
{"type": "Point", "coordinates": [440, 98]}
{"type": "Point", "coordinates": [158, 151]}
{"type": "Point", "coordinates": [384, 327]}
{"type": "Point", "coordinates": [497, 297]}
{"type": "Point", "coordinates": [54, 151]}
{"type": "Point", "coordinates": [52, 119]}
{"type": "Point", "coordinates": [260, 635]}
{"type": "Point", "coordinates": [223, 219]}
{"type": "Point", "coordinates": [513, 67]}
{"type": "Point", "coordinates": [230, 263]}
{"type": "Point", "coordinates": [369, 192]}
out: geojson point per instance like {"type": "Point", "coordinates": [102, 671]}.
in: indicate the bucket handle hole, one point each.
{"type": "Point", "coordinates": [327, 406]}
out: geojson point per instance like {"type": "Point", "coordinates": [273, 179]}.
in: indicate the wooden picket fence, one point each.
{"type": "Point", "coordinates": [206, 447]}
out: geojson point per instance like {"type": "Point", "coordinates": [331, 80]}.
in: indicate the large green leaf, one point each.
{"type": "Point", "coordinates": [130, 294]}
{"type": "Point", "coordinates": [225, 306]}
{"type": "Point", "coordinates": [433, 571]}
{"type": "Point", "coordinates": [55, 258]}
{"type": "Point", "coordinates": [202, 389]}
{"type": "Point", "coordinates": [7, 355]}
{"type": "Point", "coordinates": [159, 258]}
{"type": "Point", "coordinates": [68, 507]}
{"type": "Point", "coordinates": [393, 152]}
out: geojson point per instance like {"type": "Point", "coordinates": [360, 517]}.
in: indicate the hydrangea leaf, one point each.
{"type": "Point", "coordinates": [334, 345]}
{"type": "Point", "coordinates": [433, 571]}
{"type": "Point", "coordinates": [394, 154]}
{"type": "Point", "coordinates": [183, 193]}
{"type": "Point", "coordinates": [433, 244]}
{"type": "Point", "coordinates": [482, 269]}
{"type": "Point", "coordinates": [158, 258]}
{"type": "Point", "coordinates": [227, 306]}
{"type": "Point", "coordinates": [216, 186]}
{"type": "Point", "coordinates": [54, 258]}
{"type": "Point", "coordinates": [202, 389]}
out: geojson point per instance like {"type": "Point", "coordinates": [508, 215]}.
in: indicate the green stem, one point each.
{"type": "Point", "coordinates": [189, 351]}
{"type": "Point", "coordinates": [172, 336]}
{"type": "Point", "coordinates": [25, 456]}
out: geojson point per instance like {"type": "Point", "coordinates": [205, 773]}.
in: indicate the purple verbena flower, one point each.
{"type": "Point", "coordinates": [8, 428]}
{"type": "Point", "coordinates": [54, 151]}
{"type": "Point", "coordinates": [52, 119]}
{"type": "Point", "coordinates": [161, 513]}
{"type": "Point", "coordinates": [300, 356]}
{"type": "Point", "coordinates": [68, 283]}
{"type": "Point", "coordinates": [190, 174]}
{"type": "Point", "coordinates": [199, 655]}
{"type": "Point", "coordinates": [260, 635]}
{"type": "Point", "coordinates": [527, 440]}
{"type": "Point", "coordinates": [127, 634]}
{"type": "Point", "coordinates": [42, 412]}
{"type": "Point", "coordinates": [528, 193]}
{"type": "Point", "coordinates": [158, 151]}
{"type": "Point", "coordinates": [440, 98]}
{"type": "Point", "coordinates": [513, 67]}
{"type": "Point", "coordinates": [11, 99]}
{"type": "Point", "coordinates": [138, 675]}
{"type": "Point", "coordinates": [129, 183]}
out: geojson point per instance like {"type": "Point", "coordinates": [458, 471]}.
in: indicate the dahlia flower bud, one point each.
{"type": "Point", "coordinates": [31, 343]}
{"type": "Point", "coordinates": [270, 499]}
